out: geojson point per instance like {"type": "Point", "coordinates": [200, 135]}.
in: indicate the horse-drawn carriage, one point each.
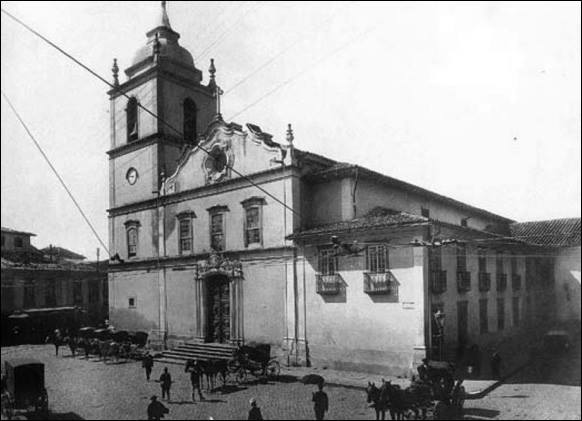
{"type": "Point", "coordinates": [253, 359]}
{"type": "Point", "coordinates": [435, 394]}
{"type": "Point", "coordinates": [107, 343]}
{"type": "Point", "coordinates": [24, 388]}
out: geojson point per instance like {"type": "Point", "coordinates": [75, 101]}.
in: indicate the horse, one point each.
{"type": "Point", "coordinates": [57, 340]}
{"type": "Point", "coordinates": [378, 397]}
{"type": "Point", "coordinates": [414, 400]}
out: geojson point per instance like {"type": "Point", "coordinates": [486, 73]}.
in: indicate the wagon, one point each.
{"type": "Point", "coordinates": [25, 387]}
{"type": "Point", "coordinates": [253, 359]}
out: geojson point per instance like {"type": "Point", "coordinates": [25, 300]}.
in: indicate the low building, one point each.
{"type": "Point", "coordinates": [32, 283]}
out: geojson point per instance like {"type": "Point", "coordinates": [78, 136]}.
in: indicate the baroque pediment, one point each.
{"type": "Point", "coordinates": [226, 151]}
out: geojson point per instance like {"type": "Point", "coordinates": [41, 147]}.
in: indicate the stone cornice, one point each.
{"type": "Point", "coordinates": [153, 73]}
{"type": "Point", "coordinates": [175, 262]}
{"type": "Point", "coordinates": [144, 142]}
{"type": "Point", "coordinates": [209, 190]}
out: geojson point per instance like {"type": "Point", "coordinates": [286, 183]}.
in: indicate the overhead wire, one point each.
{"type": "Point", "coordinates": [48, 161]}
{"type": "Point", "coordinates": [171, 127]}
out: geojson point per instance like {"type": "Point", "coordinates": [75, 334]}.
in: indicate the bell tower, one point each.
{"type": "Point", "coordinates": [162, 81]}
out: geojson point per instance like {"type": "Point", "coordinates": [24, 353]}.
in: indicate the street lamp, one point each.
{"type": "Point", "coordinates": [439, 318]}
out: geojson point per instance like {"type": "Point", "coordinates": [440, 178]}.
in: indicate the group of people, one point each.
{"type": "Point", "coordinates": [156, 409]}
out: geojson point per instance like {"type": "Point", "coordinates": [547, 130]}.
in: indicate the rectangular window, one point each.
{"type": "Point", "coordinates": [513, 264]}
{"type": "Point", "coordinates": [435, 261]}
{"type": "Point", "coordinates": [253, 225]}
{"type": "Point", "coordinates": [105, 291]}
{"type": "Point", "coordinates": [51, 293]}
{"type": "Point", "coordinates": [515, 311]}
{"type": "Point", "coordinates": [461, 258]}
{"type": "Point", "coordinates": [377, 259]}
{"type": "Point", "coordinates": [500, 313]}
{"type": "Point", "coordinates": [499, 263]}
{"type": "Point", "coordinates": [132, 242]}
{"type": "Point", "coordinates": [483, 316]}
{"type": "Point", "coordinates": [217, 232]}
{"type": "Point", "coordinates": [425, 212]}
{"type": "Point", "coordinates": [327, 262]}
{"type": "Point", "coordinates": [29, 295]}
{"type": "Point", "coordinates": [77, 293]}
{"type": "Point", "coordinates": [185, 235]}
{"type": "Point", "coordinates": [463, 321]}
{"type": "Point", "coordinates": [482, 260]}
{"type": "Point", "coordinates": [93, 291]}
{"type": "Point", "coordinates": [3, 241]}
{"type": "Point", "coordinates": [464, 222]}
{"type": "Point", "coordinates": [132, 302]}
{"type": "Point", "coordinates": [18, 242]}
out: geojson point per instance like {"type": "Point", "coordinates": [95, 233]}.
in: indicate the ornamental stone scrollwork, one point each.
{"type": "Point", "coordinates": [218, 163]}
{"type": "Point", "coordinates": [218, 264]}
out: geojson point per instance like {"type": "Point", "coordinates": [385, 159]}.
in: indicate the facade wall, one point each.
{"type": "Point", "coordinates": [449, 300]}
{"type": "Point", "coordinates": [9, 241]}
{"type": "Point", "coordinates": [144, 161]}
{"type": "Point", "coordinates": [368, 332]}
{"type": "Point", "coordinates": [567, 275]}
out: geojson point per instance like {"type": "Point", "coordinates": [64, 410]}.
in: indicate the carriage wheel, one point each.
{"type": "Point", "coordinates": [274, 369]}
{"type": "Point", "coordinates": [241, 375]}
{"type": "Point", "coordinates": [232, 366]}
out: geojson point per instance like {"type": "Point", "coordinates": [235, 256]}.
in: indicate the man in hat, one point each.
{"type": "Point", "coordinates": [156, 409]}
{"type": "Point", "coordinates": [166, 383]}
{"type": "Point", "coordinates": [195, 379]}
{"type": "Point", "coordinates": [320, 402]}
{"type": "Point", "coordinates": [148, 364]}
{"type": "Point", "coordinates": [255, 411]}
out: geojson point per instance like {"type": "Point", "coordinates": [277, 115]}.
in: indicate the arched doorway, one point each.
{"type": "Point", "coordinates": [218, 309]}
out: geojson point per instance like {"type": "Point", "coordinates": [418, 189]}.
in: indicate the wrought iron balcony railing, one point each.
{"type": "Point", "coordinates": [438, 281]}
{"type": "Point", "coordinates": [501, 282]}
{"type": "Point", "coordinates": [328, 284]}
{"type": "Point", "coordinates": [516, 282]}
{"type": "Point", "coordinates": [463, 281]}
{"type": "Point", "coordinates": [380, 283]}
{"type": "Point", "coordinates": [484, 281]}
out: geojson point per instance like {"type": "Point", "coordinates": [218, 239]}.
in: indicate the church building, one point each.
{"type": "Point", "coordinates": [224, 235]}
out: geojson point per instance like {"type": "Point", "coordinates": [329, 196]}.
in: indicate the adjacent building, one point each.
{"type": "Point", "coordinates": [223, 234]}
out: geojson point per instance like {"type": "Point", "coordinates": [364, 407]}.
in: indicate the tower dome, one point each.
{"type": "Point", "coordinates": [169, 48]}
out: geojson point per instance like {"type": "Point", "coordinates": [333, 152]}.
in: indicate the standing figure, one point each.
{"type": "Point", "coordinates": [156, 409]}
{"type": "Point", "coordinates": [148, 364]}
{"type": "Point", "coordinates": [195, 379]}
{"type": "Point", "coordinates": [166, 383]}
{"type": "Point", "coordinates": [496, 365]}
{"type": "Point", "coordinates": [320, 402]}
{"type": "Point", "coordinates": [255, 411]}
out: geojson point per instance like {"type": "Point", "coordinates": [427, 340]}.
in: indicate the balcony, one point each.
{"type": "Point", "coordinates": [438, 281]}
{"type": "Point", "coordinates": [501, 282]}
{"type": "Point", "coordinates": [463, 281]}
{"type": "Point", "coordinates": [516, 282]}
{"type": "Point", "coordinates": [328, 284]}
{"type": "Point", "coordinates": [484, 281]}
{"type": "Point", "coordinates": [380, 283]}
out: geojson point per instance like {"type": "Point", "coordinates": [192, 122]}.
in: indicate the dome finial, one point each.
{"type": "Point", "coordinates": [164, 20]}
{"type": "Point", "coordinates": [290, 136]}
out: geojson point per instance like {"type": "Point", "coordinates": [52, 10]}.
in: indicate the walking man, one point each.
{"type": "Point", "coordinates": [496, 365]}
{"type": "Point", "coordinates": [195, 379]}
{"type": "Point", "coordinates": [320, 402]}
{"type": "Point", "coordinates": [166, 383]}
{"type": "Point", "coordinates": [255, 411]}
{"type": "Point", "coordinates": [148, 364]}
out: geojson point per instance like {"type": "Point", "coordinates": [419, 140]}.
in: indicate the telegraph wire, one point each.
{"type": "Point", "coordinates": [47, 159]}
{"type": "Point", "coordinates": [181, 135]}
{"type": "Point", "coordinates": [311, 66]}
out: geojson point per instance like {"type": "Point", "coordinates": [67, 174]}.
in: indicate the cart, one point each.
{"type": "Point", "coordinates": [25, 388]}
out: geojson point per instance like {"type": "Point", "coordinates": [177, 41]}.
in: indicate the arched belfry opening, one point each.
{"type": "Point", "coordinates": [190, 115]}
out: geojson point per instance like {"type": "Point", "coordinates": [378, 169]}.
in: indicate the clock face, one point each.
{"type": "Point", "coordinates": [131, 176]}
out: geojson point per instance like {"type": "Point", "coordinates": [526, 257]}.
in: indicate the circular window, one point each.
{"type": "Point", "coordinates": [131, 176]}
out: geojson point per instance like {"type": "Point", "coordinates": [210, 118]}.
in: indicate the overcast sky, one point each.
{"type": "Point", "coordinates": [479, 101]}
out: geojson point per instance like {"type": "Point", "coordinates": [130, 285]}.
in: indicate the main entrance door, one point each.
{"type": "Point", "coordinates": [218, 308]}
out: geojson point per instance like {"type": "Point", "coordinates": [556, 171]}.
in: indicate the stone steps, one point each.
{"type": "Point", "coordinates": [198, 351]}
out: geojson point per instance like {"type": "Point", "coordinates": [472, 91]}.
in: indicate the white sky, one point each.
{"type": "Point", "coordinates": [430, 93]}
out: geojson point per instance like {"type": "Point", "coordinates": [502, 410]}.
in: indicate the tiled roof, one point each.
{"type": "Point", "coordinates": [62, 253]}
{"type": "Point", "coordinates": [552, 233]}
{"type": "Point", "coordinates": [11, 231]}
{"type": "Point", "coordinates": [365, 223]}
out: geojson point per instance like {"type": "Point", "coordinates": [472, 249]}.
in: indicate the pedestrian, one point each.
{"type": "Point", "coordinates": [148, 364]}
{"type": "Point", "coordinates": [320, 402]}
{"type": "Point", "coordinates": [156, 409]}
{"type": "Point", "coordinates": [496, 364]}
{"type": "Point", "coordinates": [166, 383]}
{"type": "Point", "coordinates": [255, 411]}
{"type": "Point", "coordinates": [423, 370]}
{"type": "Point", "coordinates": [195, 379]}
